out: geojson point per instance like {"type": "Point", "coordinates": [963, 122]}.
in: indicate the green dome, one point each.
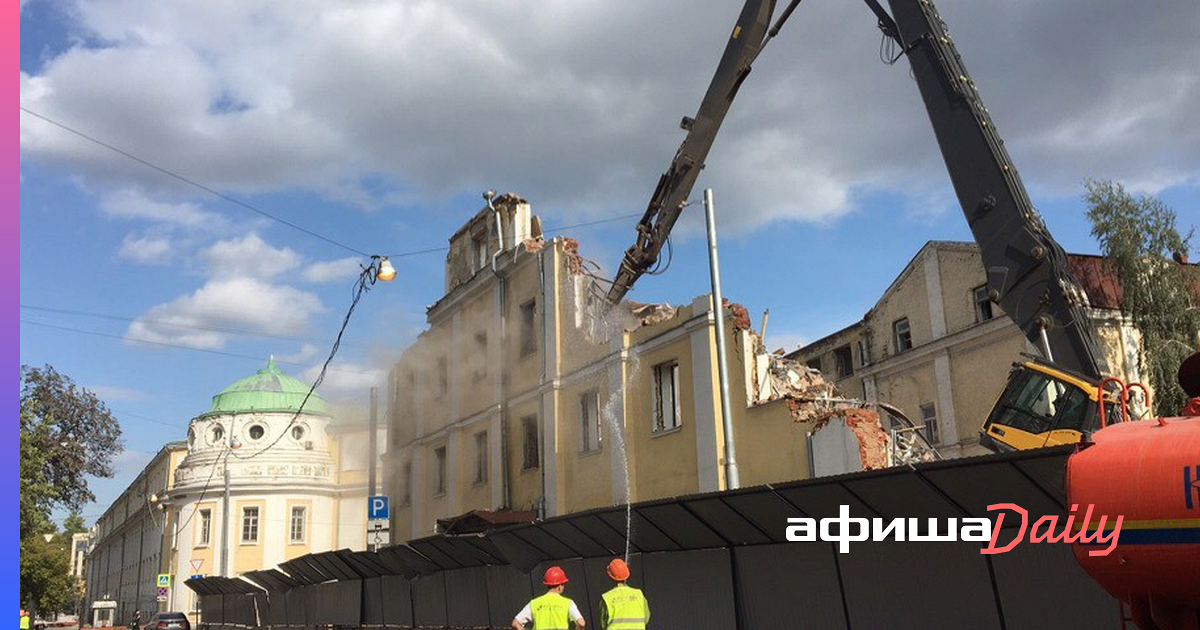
{"type": "Point", "coordinates": [267, 390]}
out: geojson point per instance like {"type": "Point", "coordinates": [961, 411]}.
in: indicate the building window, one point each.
{"type": "Point", "coordinates": [529, 443]}
{"type": "Point", "coordinates": [205, 528]}
{"type": "Point", "coordinates": [297, 433]}
{"type": "Point", "coordinates": [983, 304]}
{"type": "Point", "coordinates": [479, 245]}
{"type": "Point", "coordinates": [929, 419]}
{"type": "Point", "coordinates": [256, 431]}
{"type": "Point", "coordinates": [528, 328]}
{"type": "Point", "coordinates": [481, 457]}
{"type": "Point", "coordinates": [589, 421]}
{"type": "Point", "coordinates": [439, 471]}
{"type": "Point", "coordinates": [666, 396]}
{"type": "Point", "coordinates": [902, 335]}
{"type": "Point", "coordinates": [443, 375]}
{"type": "Point", "coordinates": [814, 363]}
{"type": "Point", "coordinates": [218, 434]}
{"type": "Point", "coordinates": [406, 488]}
{"type": "Point", "coordinates": [481, 355]}
{"type": "Point", "coordinates": [250, 525]}
{"type": "Point", "coordinates": [843, 358]}
{"type": "Point", "coordinates": [296, 529]}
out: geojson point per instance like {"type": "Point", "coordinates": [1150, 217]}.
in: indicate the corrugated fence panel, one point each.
{"type": "Point", "coordinates": [917, 586]}
{"type": "Point", "coordinates": [507, 592]}
{"type": "Point", "coordinates": [690, 589]}
{"type": "Point", "coordinates": [796, 582]}
{"type": "Point", "coordinates": [1041, 586]}
{"type": "Point", "coordinates": [372, 602]}
{"type": "Point", "coordinates": [466, 591]}
{"type": "Point", "coordinates": [397, 601]}
{"type": "Point", "coordinates": [429, 600]}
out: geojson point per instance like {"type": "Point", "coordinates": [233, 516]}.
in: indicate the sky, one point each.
{"type": "Point", "coordinates": [377, 125]}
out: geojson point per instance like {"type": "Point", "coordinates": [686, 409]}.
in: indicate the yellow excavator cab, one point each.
{"type": "Point", "coordinates": [1042, 405]}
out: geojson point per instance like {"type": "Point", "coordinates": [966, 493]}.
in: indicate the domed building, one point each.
{"type": "Point", "coordinates": [297, 482]}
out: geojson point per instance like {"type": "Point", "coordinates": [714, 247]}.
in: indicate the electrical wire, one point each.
{"type": "Point", "coordinates": [192, 182]}
{"type": "Point", "coordinates": [174, 345]}
{"type": "Point", "coordinates": [366, 280]}
{"type": "Point", "coordinates": [162, 322]}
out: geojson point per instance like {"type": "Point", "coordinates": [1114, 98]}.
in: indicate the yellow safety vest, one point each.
{"type": "Point", "coordinates": [24, 622]}
{"type": "Point", "coordinates": [625, 608]}
{"type": "Point", "coordinates": [551, 612]}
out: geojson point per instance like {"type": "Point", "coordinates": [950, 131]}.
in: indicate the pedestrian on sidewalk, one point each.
{"type": "Point", "coordinates": [623, 607]}
{"type": "Point", "coordinates": [551, 611]}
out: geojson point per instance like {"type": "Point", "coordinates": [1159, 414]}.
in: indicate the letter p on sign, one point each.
{"type": "Point", "coordinates": [377, 507]}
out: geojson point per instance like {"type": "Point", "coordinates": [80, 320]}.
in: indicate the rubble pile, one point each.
{"type": "Point", "coordinates": [811, 398]}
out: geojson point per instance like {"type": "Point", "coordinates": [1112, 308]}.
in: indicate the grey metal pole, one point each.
{"type": "Point", "coordinates": [374, 447]}
{"type": "Point", "coordinates": [714, 268]}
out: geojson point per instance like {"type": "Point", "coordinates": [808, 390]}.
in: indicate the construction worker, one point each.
{"type": "Point", "coordinates": [623, 607]}
{"type": "Point", "coordinates": [551, 611]}
{"type": "Point", "coordinates": [137, 619]}
{"type": "Point", "coordinates": [24, 619]}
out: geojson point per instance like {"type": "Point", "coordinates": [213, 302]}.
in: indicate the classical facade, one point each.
{"type": "Point", "coordinates": [297, 483]}
{"type": "Point", "coordinates": [527, 393]}
{"type": "Point", "coordinates": [127, 546]}
{"type": "Point", "coordinates": [937, 348]}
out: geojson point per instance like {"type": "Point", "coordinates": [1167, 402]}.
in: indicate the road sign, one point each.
{"type": "Point", "coordinates": [377, 507]}
{"type": "Point", "coordinates": [196, 576]}
{"type": "Point", "coordinates": [196, 564]}
{"type": "Point", "coordinates": [162, 593]}
{"type": "Point", "coordinates": [164, 580]}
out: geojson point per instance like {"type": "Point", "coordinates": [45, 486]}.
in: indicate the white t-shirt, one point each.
{"type": "Point", "coordinates": [526, 614]}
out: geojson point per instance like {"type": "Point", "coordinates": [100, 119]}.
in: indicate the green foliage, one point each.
{"type": "Point", "coordinates": [67, 434]}
{"type": "Point", "coordinates": [1139, 238]}
{"type": "Point", "coordinates": [47, 586]}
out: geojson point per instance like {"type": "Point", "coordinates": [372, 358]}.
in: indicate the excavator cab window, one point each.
{"type": "Point", "coordinates": [1037, 403]}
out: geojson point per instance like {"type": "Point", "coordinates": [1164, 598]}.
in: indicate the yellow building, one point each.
{"type": "Point", "coordinates": [297, 484]}
{"type": "Point", "coordinates": [127, 547]}
{"type": "Point", "coordinates": [937, 348]}
{"type": "Point", "coordinates": [525, 393]}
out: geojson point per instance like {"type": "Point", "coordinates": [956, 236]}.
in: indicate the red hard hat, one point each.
{"type": "Point", "coordinates": [618, 570]}
{"type": "Point", "coordinates": [555, 576]}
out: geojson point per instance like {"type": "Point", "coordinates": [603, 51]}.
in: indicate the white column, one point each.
{"type": "Point", "coordinates": [496, 479]}
{"type": "Point", "coordinates": [454, 480]}
{"type": "Point", "coordinates": [708, 469]}
{"type": "Point", "coordinates": [945, 399]}
{"type": "Point", "coordinates": [933, 290]}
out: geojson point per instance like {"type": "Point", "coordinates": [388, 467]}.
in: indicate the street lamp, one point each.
{"type": "Point", "coordinates": [386, 272]}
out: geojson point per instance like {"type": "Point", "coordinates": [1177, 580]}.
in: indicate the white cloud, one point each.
{"type": "Point", "coordinates": [248, 256]}
{"type": "Point", "coordinates": [145, 249]}
{"type": "Point", "coordinates": [329, 270]}
{"type": "Point", "coordinates": [113, 393]}
{"type": "Point", "coordinates": [130, 203]}
{"type": "Point", "coordinates": [345, 381]}
{"type": "Point", "coordinates": [306, 352]}
{"type": "Point", "coordinates": [237, 303]}
{"type": "Point", "coordinates": [574, 102]}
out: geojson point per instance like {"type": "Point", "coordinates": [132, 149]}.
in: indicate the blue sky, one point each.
{"type": "Point", "coordinates": [379, 125]}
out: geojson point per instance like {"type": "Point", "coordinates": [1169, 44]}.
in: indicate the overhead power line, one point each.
{"type": "Point", "coordinates": [163, 322]}
{"type": "Point", "coordinates": [187, 180]}
{"type": "Point", "coordinates": [164, 344]}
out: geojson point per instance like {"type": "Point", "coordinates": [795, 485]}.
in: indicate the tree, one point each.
{"type": "Point", "coordinates": [1139, 239]}
{"type": "Point", "coordinates": [67, 434]}
{"type": "Point", "coordinates": [70, 433]}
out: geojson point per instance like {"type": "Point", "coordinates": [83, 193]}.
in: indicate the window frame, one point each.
{"type": "Point", "coordinates": [479, 249]}
{"type": "Point", "coordinates": [933, 433]}
{"type": "Point", "coordinates": [303, 538]}
{"type": "Point", "coordinates": [481, 458]}
{"type": "Point", "coordinates": [980, 301]}
{"type": "Point", "coordinates": [590, 428]}
{"type": "Point", "coordinates": [440, 468]}
{"type": "Point", "coordinates": [843, 366]}
{"type": "Point", "coordinates": [528, 422]}
{"type": "Point", "coordinates": [528, 337]}
{"type": "Point", "coordinates": [204, 536]}
{"type": "Point", "coordinates": [907, 335]}
{"type": "Point", "coordinates": [406, 472]}
{"type": "Point", "coordinates": [251, 524]}
{"type": "Point", "coordinates": [660, 425]}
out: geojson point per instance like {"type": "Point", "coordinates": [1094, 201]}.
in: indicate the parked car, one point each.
{"type": "Point", "coordinates": [168, 621]}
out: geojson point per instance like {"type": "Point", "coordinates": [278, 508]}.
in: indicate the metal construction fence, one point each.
{"type": "Point", "coordinates": [717, 560]}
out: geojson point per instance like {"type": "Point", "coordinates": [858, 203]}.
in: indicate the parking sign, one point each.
{"type": "Point", "coordinates": [377, 507]}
